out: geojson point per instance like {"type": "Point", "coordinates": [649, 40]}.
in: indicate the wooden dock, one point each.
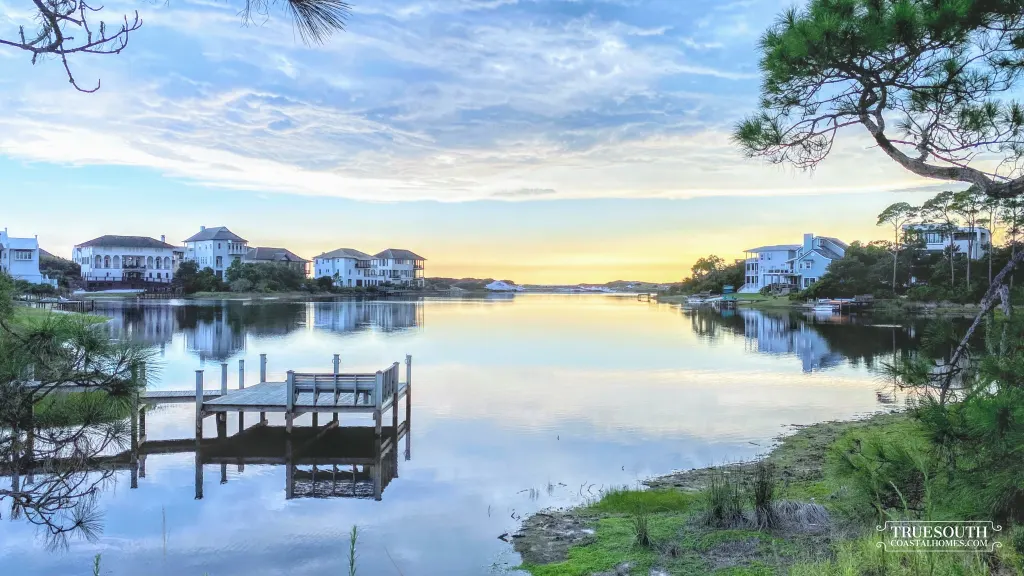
{"type": "Point", "coordinates": [367, 456]}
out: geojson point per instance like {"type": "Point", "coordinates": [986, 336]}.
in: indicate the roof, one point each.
{"type": "Point", "coordinates": [775, 248]}
{"type": "Point", "coordinates": [399, 254]}
{"type": "Point", "coordinates": [112, 241]}
{"type": "Point", "coordinates": [346, 253]}
{"type": "Point", "coordinates": [268, 254]}
{"type": "Point", "coordinates": [836, 241]}
{"type": "Point", "coordinates": [215, 233]}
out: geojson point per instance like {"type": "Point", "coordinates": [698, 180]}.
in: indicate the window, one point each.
{"type": "Point", "coordinates": [106, 261]}
{"type": "Point", "coordinates": [218, 245]}
{"type": "Point", "coordinates": [21, 255]}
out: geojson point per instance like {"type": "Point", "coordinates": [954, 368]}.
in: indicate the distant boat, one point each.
{"type": "Point", "coordinates": [499, 286]}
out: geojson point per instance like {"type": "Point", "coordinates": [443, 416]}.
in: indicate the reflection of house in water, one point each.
{"type": "Point", "coordinates": [210, 332]}
{"type": "Point", "coordinates": [786, 335]}
{"type": "Point", "coordinates": [351, 316]}
{"type": "Point", "coordinates": [149, 325]}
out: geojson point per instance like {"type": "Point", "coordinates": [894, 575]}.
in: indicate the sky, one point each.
{"type": "Point", "coordinates": [542, 141]}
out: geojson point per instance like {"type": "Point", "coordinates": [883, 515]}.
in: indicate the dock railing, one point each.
{"type": "Point", "coordinates": [332, 384]}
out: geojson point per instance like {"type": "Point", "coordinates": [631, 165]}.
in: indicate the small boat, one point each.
{"type": "Point", "coordinates": [825, 306]}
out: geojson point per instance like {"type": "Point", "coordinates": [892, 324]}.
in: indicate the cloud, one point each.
{"type": "Point", "coordinates": [451, 101]}
{"type": "Point", "coordinates": [524, 193]}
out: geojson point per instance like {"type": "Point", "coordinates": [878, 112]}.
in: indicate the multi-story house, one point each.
{"type": "Point", "coordinates": [267, 255]}
{"type": "Point", "coordinates": [351, 267]}
{"type": "Point", "coordinates": [215, 248]}
{"type": "Point", "coordinates": [19, 257]}
{"type": "Point", "coordinates": [793, 266]}
{"type": "Point", "coordinates": [127, 260]}
{"type": "Point", "coordinates": [400, 267]}
{"type": "Point", "coordinates": [965, 240]}
{"type": "Point", "coordinates": [348, 267]}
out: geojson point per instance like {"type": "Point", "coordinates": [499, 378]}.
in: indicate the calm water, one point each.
{"type": "Point", "coordinates": [519, 404]}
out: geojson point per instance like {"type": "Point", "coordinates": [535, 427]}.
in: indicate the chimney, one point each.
{"type": "Point", "coordinates": [808, 241]}
{"type": "Point", "coordinates": [202, 228]}
{"type": "Point", "coordinates": [163, 238]}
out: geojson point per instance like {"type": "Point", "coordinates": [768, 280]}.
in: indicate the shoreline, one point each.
{"type": "Point", "coordinates": [813, 535]}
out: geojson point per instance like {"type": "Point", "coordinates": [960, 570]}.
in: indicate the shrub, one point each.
{"type": "Point", "coordinates": [241, 285]}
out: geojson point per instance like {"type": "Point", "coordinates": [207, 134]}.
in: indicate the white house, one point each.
{"type": "Point", "coordinates": [795, 266]}
{"type": "Point", "coordinates": [351, 268]}
{"type": "Point", "coordinates": [127, 259]}
{"type": "Point", "coordinates": [19, 257]}
{"type": "Point", "coordinates": [348, 267]}
{"type": "Point", "coordinates": [215, 248]}
{"type": "Point", "coordinates": [937, 240]}
{"type": "Point", "coordinates": [399, 267]}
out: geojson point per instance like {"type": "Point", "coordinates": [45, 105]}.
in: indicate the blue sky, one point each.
{"type": "Point", "coordinates": [542, 140]}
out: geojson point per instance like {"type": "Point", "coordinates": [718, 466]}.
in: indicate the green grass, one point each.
{"type": "Point", "coordinates": [26, 315]}
{"type": "Point", "coordinates": [625, 501]}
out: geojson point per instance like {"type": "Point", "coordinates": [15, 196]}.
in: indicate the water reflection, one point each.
{"type": "Point", "coordinates": [818, 342]}
{"type": "Point", "coordinates": [218, 330]}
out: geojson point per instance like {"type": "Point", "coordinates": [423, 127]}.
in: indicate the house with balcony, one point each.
{"type": "Point", "coordinates": [215, 248]}
{"type": "Point", "coordinates": [126, 261]}
{"type": "Point", "coordinates": [19, 258]}
{"type": "Point", "coordinates": [400, 267]}
{"type": "Point", "coordinates": [346, 266]}
{"type": "Point", "coordinates": [790, 266]}
{"type": "Point", "coordinates": [267, 255]}
{"type": "Point", "coordinates": [936, 238]}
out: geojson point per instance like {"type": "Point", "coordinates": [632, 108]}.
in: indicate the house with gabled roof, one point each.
{"type": "Point", "coordinates": [791, 266]}
{"type": "Point", "coordinates": [215, 248]}
{"type": "Point", "coordinates": [399, 266]}
{"type": "Point", "coordinates": [268, 255]}
{"type": "Point", "coordinates": [349, 267]}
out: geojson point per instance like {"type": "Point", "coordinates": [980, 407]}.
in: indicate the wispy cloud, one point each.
{"type": "Point", "coordinates": [426, 99]}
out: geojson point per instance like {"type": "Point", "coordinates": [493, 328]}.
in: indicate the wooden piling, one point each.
{"type": "Point", "coordinates": [377, 398]}
{"type": "Point", "coordinates": [223, 378]}
{"type": "Point", "coordinates": [241, 386]}
{"type": "Point", "coordinates": [263, 368]}
{"type": "Point", "coordinates": [289, 413]}
{"type": "Point", "coordinates": [199, 407]}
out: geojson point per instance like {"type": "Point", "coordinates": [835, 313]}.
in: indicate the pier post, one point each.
{"type": "Point", "coordinates": [223, 378]}
{"type": "Point", "coordinates": [337, 372]}
{"type": "Point", "coordinates": [289, 407]}
{"type": "Point", "coordinates": [199, 406]}
{"type": "Point", "coordinates": [199, 434]}
{"type": "Point", "coordinates": [408, 400]}
{"type": "Point", "coordinates": [223, 473]}
{"type": "Point", "coordinates": [377, 395]}
{"type": "Point", "coordinates": [393, 375]}
{"type": "Point", "coordinates": [263, 378]}
{"type": "Point", "coordinates": [142, 424]}
{"type": "Point", "coordinates": [241, 386]}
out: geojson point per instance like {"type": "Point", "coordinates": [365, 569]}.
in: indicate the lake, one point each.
{"type": "Point", "coordinates": [519, 403]}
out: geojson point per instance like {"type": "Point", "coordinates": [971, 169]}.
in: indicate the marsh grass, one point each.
{"type": "Point", "coordinates": [722, 500]}
{"type": "Point", "coordinates": [763, 484]}
{"type": "Point", "coordinates": [352, 539]}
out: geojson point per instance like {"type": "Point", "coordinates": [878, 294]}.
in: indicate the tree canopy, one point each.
{"type": "Point", "coordinates": [68, 28]}
{"type": "Point", "coordinates": [924, 78]}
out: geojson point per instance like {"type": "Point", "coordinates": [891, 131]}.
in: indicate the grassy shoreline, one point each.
{"type": "Point", "coordinates": [892, 307]}
{"type": "Point", "coordinates": [601, 537]}
{"type": "Point", "coordinates": [26, 314]}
